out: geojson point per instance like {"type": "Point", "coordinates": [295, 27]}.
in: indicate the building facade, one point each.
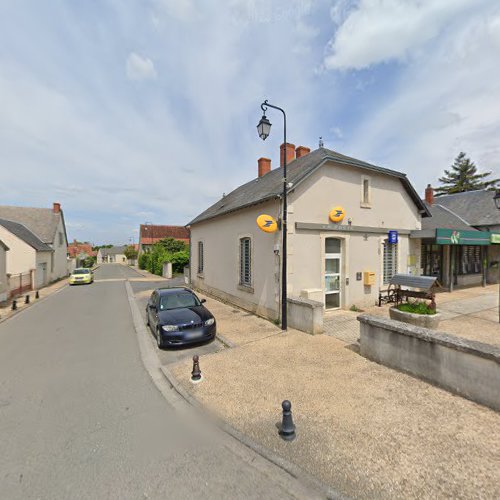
{"type": "Point", "coordinates": [149, 234]}
{"type": "Point", "coordinates": [4, 288]}
{"type": "Point", "coordinates": [340, 264]}
{"type": "Point", "coordinates": [113, 255]}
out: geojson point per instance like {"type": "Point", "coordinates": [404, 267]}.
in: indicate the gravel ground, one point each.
{"type": "Point", "coordinates": [365, 429]}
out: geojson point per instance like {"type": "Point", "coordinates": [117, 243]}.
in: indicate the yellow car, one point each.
{"type": "Point", "coordinates": [81, 276]}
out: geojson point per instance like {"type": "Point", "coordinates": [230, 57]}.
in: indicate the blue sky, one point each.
{"type": "Point", "coordinates": [134, 111]}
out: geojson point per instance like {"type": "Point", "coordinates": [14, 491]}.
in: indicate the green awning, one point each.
{"type": "Point", "coordinates": [460, 237]}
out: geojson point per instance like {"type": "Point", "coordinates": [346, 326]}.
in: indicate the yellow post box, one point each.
{"type": "Point", "coordinates": [368, 278]}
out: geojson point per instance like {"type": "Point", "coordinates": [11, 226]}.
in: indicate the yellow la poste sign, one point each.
{"type": "Point", "coordinates": [267, 223]}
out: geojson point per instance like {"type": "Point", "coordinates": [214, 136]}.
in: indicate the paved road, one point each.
{"type": "Point", "coordinates": [80, 418]}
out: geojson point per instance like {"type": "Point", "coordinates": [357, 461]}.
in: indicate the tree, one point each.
{"type": "Point", "coordinates": [463, 176]}
{"type": "Point", "coordinates": [172, 245]}
{"type": "Point", "coordinates": [130, 252]}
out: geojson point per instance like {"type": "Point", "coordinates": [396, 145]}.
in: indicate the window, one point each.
{"type": "Point", "coordinates": [365, 192]}
{"type": "Point", "coordinates": [469, 259]}
{"type": "Point", "coordinates": [61, 240]}
{"type": "Point", "coordinates": [200, 257]}
{"type": "Point", "coordinates": [390, 264]}
{"type": "Point", "coordinates": [245, 262]}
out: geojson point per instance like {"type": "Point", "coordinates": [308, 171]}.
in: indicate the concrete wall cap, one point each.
{"type": "Point", "coordinates": [305, 302]}
{"type": "Point", "coordinates": [432, 336]}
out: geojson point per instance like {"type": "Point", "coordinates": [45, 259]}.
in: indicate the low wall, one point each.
{"type": "Point", "coordinates": [465, 367]}
{"type": "Point", "coordinates": [305, 315]}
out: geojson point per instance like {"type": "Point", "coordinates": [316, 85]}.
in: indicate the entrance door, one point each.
{"type": "Point", "coordinates": [333, 267]}
{"type": "Point", "coordinates": [41, 275]}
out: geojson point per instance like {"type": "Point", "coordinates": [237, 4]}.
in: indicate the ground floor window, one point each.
{"type": "Point", "coordinates": [390, 261]}
{"type": "Point", "coordinates": [469, 259]}
{"type": "Point", "coordinates": [200, 257]}
{"type": "Point", "coordinates": [245, 262]}
{"type": "Point", "coordinates": [431, 260]}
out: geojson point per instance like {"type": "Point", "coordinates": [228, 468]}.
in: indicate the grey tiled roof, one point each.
{"type": "Point", "coordinates": [113, 250]}
{"type": "Point", "coordinates": [270, 185]}
{"type": "Point", "coordinates": [40, 221]}
{"type": "Point", "coordinates": [23, 233]}
{"type": "Point", "coordinates": [443, 218]}
{"type": "Point", "coordinates": [476, 207]}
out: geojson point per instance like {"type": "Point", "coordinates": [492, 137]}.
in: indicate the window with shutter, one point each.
{"type": "Point", "coordinates": [390, 264]}
{"type": "Point", "coordinates": [245, 262]}
{"type": "Point", "coordinates": [200, 257]}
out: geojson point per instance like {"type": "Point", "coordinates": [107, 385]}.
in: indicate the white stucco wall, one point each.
{"type": "Point", "coordinates": [220, 277]}
{"type": "Point", "coordinates": [58, 268]}
{"type": "Point", "coordinates": [3, 274]}
{"type": "Point", "coordinates": [21, 258]}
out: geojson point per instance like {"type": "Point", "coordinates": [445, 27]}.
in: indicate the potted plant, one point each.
{"type": "Point", "coordinates": [418, 313]}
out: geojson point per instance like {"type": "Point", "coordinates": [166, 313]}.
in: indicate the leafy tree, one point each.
{"type": "Point", "coordinates": [172, 245]}
{"type": "Point", "coordinates": [463, 176]}
{"type": "Point", "coordinates": [144, 261]}
{"type": "Point", "coordinates": [130, 252]}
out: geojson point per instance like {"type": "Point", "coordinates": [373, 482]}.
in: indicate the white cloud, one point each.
{"type": "Point", "coordinates": [383, 30]}
{"type": "Point", "coordinates": [140, 68]}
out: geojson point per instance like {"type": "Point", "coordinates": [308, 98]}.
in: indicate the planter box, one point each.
{"type": "Point", "coordinates": [424, 320]}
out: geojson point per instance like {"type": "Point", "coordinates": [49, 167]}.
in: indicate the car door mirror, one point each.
{"type": "Point", "coordinates": [202, 301]}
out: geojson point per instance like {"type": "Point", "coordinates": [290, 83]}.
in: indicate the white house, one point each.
{"type": "Point", "coordinates": [112, 255]}
{"type": "Point", "coordinates": [48, 228]}
{"type": "Point", "coordinates": [340, 264]}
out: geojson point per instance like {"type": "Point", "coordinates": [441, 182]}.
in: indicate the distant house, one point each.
{"type": "Point", "coordinates": [112, 255]}
{"type": "Point", "coordinates": [49, 234]}
{"type": "Point", "coordinates": [149, 234]}
{"type": "Point", "coordinates": [29, 259]}
{"type": "Point", "coordinates": [4, 289]}
{"type": "Point", "coordinates": [78, 252]}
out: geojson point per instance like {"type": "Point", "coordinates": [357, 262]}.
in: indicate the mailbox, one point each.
{"type": "Point", "coordinates": [368, 278]}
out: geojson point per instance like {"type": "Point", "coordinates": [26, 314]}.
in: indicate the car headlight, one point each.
{"type": "Point", "coordinates": [209, 322]}
{"type": "Point", "coordinates": [169, 328]}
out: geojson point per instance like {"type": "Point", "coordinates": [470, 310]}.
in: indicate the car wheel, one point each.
{"type": "Point", "coordinates": [159, 340]}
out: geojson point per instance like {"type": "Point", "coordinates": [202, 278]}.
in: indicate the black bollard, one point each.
{"type": "Point", "coordinates": [37, 295]}
{"type": "Point", "coordinates": [27, 299]}
{"type": "Point", "coordinates": [196, 373]}
{"type": "Point", "coordinates": [287, 431]}
{"type": "Point", "coordinates": [14, 305]}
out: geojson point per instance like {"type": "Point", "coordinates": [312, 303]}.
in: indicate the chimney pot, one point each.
{"type": "Point", "coordinates": [302, 151]}
{"type": "Point", "coordinates": [429, 194]}
{"type": "Point", "coordinates": [290, 153]}
{"type": "Point", "coordinates": [56, 208]}
{"type": "Point", "coordinates": [264, 166]}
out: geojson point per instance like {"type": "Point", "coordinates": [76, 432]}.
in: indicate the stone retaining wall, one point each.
{"type": "Point", "coordinates": [465, 367]}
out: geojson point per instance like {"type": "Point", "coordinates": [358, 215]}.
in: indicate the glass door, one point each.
{"type": "Point", "coordinates": [333, 267]}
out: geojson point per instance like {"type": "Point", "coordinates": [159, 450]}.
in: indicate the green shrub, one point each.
{"type": "Point", "coordinates": [416, 308]}
{"type": "Point", "coordinates": [144, 261]}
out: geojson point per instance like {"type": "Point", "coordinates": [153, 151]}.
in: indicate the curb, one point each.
{"type": "Point", "coordinates": [290, 468]}
{"type": "Point", "coordinates": [226, 342]}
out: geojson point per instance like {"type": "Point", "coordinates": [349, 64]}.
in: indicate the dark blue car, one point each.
{"type": "Point", "coordinates": [177, 316]}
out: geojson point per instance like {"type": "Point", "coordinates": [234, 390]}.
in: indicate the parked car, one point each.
{"type": "Point", "coordinates": [81, 276]}
{"type": "Point", "coordinates": [177, 316]}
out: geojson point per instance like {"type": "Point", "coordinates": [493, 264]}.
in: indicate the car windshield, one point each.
{"type": "Point", "coordinates": [178, 301]}
{"type": "Point", "coordinates": [81, 271]}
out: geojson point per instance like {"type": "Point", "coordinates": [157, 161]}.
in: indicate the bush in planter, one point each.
{"type": "Point", "coordinates": [416, 308]}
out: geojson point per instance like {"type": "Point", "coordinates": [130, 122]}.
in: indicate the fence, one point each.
{"type": "Point", "coordinates": [19, 283]}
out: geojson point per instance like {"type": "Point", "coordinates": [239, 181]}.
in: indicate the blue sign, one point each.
{"type": "Point", "coordinates": [393, 236]}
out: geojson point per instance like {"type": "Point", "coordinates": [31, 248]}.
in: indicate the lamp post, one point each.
{"type": "Point", "coordinates": [496, 199]}
{"type": "Point", "coordinates": [264, 128]}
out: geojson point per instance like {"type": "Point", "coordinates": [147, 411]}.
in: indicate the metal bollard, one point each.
{"type": "Point", "coordinates": [27, 299]}
{"type": "Point", "coordinates": [287, 431]}
{"type": "Point", "coordinates": [37, 295]}
{"type": "Point", "coordinates": [14, 305]}
{"type": "Point", "coordinates": [196, 373]}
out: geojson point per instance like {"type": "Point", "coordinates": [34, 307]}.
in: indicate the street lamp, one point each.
{"type": "Point", "coordinates": [264, 128]}
{"type": "Point", "coordinates": [496, 199]}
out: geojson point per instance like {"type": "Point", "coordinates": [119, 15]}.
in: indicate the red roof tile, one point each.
{"type": "Point", "coordinates": [150, 233]}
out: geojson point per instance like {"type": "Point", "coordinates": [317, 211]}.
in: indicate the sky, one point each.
{"type": "Point", "coordinates": [129, 112]}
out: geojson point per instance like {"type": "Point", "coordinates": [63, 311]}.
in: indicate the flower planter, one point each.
{"type": "Point", "coordinates": [425, 320]}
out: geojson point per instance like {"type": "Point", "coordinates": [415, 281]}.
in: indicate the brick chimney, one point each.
{"type": "Point", "coordinates": [429, 194]}
{"type": "Point", "coordinates": [290, 153]}
{"type": "Point", "coordinates": [302, 151]}
{"type": "Point", "coordinates": [56, 208]}
{"type": "Point", "coordinates": [264, 166]}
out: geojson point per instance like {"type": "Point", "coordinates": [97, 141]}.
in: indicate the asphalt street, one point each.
{"type": "Point", "coordinates": [80, 417]}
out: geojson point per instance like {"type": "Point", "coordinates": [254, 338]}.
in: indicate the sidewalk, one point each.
{"type": "Point", "coordinates": [362, 428]}
{"type": "Point", "coordinates": [7, 312]}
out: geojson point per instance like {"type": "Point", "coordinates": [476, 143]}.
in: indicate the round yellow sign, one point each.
{"type": "Point", "coordinates": [267, 223]}
{"type": "Point", "coordinates": [337, 214]}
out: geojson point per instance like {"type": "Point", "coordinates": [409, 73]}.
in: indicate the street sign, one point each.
{"type": "Point", "coordinates": [336, 214]}
{"type": "Point", "coordinates": [267, 223]}
{"type": "Point", "coordinates": [393, 237]}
